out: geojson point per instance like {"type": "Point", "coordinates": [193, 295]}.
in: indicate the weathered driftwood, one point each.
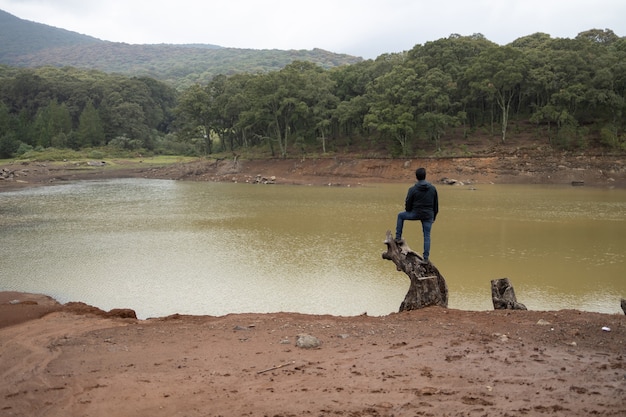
{"type": "Point", "coordinates": [503, 295]}
{"type": "Point", "coordinates": [428, 287]}
{"type": "Point", "coordinates": [623, 303]}
{"type": "Point", "coordinates": [273, 368]}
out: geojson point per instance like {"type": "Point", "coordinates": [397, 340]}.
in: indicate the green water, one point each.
{"type": "Point", "coordinates": [163, 247]}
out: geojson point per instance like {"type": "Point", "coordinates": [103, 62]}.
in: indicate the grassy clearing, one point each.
{"type": "Point", "coordinates": [89, 158]}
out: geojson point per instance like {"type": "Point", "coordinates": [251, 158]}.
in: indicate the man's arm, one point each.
{"type": "Point", "coordinates": [435, 205]}
{"type": "Point", "coordinates": [408, 202]}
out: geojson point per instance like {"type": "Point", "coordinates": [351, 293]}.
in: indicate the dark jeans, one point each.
{"type": "Point", "coordinates": [426, 227]}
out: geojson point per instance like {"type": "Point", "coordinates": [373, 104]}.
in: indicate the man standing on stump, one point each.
{"type": "Point", "coordinates": [422, 203]}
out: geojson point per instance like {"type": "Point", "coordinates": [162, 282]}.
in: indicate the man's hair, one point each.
{"type": "Point", "coordinates": [420, 174]}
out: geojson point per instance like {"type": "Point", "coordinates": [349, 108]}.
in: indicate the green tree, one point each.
{"type": "Point", "coordinates": [435, 90]}
{"type": "Point", "coordinates": [283, 104]}
{"type": "Point", "coordinates": [392, 106]}
{"type": "Point", "coordinates": [123, 118]}
{"type": "Point", "coordinates": [236, 103]}
{"type": "Point", "coordinates": [598, 36]}
{"type": "Point", "coordinates": [138, 108]}
{"type": "Point", "coordinates": [351, 86]}
{"type": "Point", "coordinates": [8, 142]}
{"type": "Point", "coordinates": [452, 55]}
{"type": "Point", "coordinates": [350, 115]}
{"type": "Point", "coordinates": [219, 92]}
{"type": "Point", "coordinates": [5, 119]}
{"type": "Point", "coordinates": [499, 72]}
{"type": "Point", "coordinates": [196, 117]}
{"type": "Point", "coordinates": [90, 130]}
{"type": "Point", "coordinates": [569, 77]}
{"type": "Point", "coordinates": [52, 125]}
{"type": "Point", "coordinates": [318, 95]}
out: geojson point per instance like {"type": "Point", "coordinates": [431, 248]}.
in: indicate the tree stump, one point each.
{"type": "Point", "coordinates": [503, 295]}
{"type": "Point", "coordinates": [428, 287]}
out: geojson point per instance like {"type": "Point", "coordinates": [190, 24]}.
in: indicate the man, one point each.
{"type": "Point", "coordinates": [422, 203]}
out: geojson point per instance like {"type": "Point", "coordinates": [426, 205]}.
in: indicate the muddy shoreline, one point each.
{"type": "Point", "coordinates": [77, 360]}
{"type": "Point", "coordinates": [511, 168]}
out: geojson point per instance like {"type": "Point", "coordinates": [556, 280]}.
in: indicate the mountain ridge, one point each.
{"type": "Point", "coordinates": [19, 35]}
{"type": "Point", "coordinates": [30, 44]}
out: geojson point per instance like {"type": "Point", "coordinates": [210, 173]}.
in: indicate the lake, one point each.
{"type": "Point", "coordinates": [162, 247]}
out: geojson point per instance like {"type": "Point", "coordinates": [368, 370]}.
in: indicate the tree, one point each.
{"type": "Point", "coordinates": [8, 142]}
{"type": "Point", "coordinates": [499, 72]}
{"type": "Point", "coordinates": [392, 110]}
{"type": "Point", "coordinates": [123, 118]}
{"type": "Point", "coordinates": [289, 105]}
{"type": "Point", "coordinates": [351, 85]}
{"type": "Point", "coordinates": [266, 116]}
{"type": "Point", "coordinates": [217, 99]}
{"type": "Point", "coordinates": [5, 119]}
{"type": "Point", "coordinates": [434, 102]}
{"type": "Point", "coordinates": [350, 115]}
{"type": "Point", "coordinates": [90, 131]}
{"type": "Point", "coordinates": [322, 104]}
{"type": "Point", "coordinates": [452, 55]}
{"type": "Point", "coordinates": [157, 100]}
{"type": "Point", "coordinates": [435, 124]}
{"type": "Point", "coordinates": [52, 124]}
{"type": "Point", "coordinates": [40, 100]}
{"type": "Point", "coordinates": [8, 145]}
{"type": "Point", "coordinates": [605, 37]}
{"type": "Point", "coordinates": [230, 102]}
{"type": "Point", "coordinates": [195, 114]}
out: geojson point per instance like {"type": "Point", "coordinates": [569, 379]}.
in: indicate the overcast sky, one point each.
{"type": "Point", "coordinates": [366, 28]}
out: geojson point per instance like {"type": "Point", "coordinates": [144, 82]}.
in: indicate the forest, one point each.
{"type": "Point", "coordinates": [570, 93]}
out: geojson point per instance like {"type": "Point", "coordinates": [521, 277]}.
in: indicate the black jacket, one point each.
{"type": "Point", "coordinates": [422, 199]}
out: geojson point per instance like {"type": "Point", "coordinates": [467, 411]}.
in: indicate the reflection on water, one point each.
{"type": "Point", "coordinates": [163, 247]}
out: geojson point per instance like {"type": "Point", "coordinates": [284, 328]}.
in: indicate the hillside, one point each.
{"type": "Point", "coordinates": [29, 44]}
{"type": "Point", "coordinates": [21, 37]}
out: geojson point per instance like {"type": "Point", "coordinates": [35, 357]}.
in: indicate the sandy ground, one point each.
{"type": "Point", "coordinates": [79, 361]}
{"type": "Point", "coordinates": [75, 360]}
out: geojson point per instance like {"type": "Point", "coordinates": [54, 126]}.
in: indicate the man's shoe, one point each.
{"type": "Point", "coordinates": [424, 261]}
{"type": "Point", "coordinates": [399, 240]}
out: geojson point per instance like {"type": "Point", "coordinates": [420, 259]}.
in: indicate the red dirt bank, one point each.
{"type": "Point", "coordinates": [513, 167]}
{"type": "Point", "coordinates": [78, 361]}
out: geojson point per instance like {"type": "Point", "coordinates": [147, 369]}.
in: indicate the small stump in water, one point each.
{"type": "Point", "coordinates": [428, 287]}
{"type": "Point", "coordinates": [503, 295]}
